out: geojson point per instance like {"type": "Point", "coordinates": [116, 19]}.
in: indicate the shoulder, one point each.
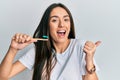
{"type": "Point", "coordinates": [28, 58]}
{"type": "Point", "coordinates": [78, 42]}
{"type": "Point", "coordinates": [30, 52]}
{"type": "Point", "coordinates": [77, 45]}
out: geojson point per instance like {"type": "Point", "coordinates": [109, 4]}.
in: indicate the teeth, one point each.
{"type": "Point", "coordinates": [61, 31]}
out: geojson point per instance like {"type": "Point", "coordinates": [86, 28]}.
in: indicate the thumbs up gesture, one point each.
{"type": "Point", "coordinates": [89, 49]}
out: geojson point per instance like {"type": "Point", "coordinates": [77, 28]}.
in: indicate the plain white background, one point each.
{"type": "Point", "coordinates": [94, 20]}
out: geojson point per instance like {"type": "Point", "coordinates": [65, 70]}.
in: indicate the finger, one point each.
{"type": "Point", "coordinates": [28, 38]}
{"type": "Point", "coordinates": [24, 38]}
{"type": "Point", "coordinates": [86, 50]}
{"type": "Point", "coordinates": [89, 43]}
{"type": "Point", "coordinates": [17, 37]}
{"type": "Point", "coordinates": [87, 47]}
{"type": "Point", "coordinates": [13, 38]}
{"type": "Point", "coordinates": [33, 40]}
{"type": "Point", "coordinates": [21, 38]}
{"type": "Point", "coordinates": [97, 43]}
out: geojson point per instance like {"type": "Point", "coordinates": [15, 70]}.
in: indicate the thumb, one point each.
{"type": "Point", "coordinates": [97, 43]}
{"type": "Point", "coordinates": [31, 41]}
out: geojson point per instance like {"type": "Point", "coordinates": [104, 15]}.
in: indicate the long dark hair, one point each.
{"type": "Point", "coordinates": [44, 57]}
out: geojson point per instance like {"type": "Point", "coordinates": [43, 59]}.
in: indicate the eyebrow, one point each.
{"type": "Point", "coordinates": [57, 16]}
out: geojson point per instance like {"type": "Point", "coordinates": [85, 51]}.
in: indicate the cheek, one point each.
{"type": "Point", "coordinates": [53, 26]}
{"type": "Point", "coordinates": [52, 30]}
{"type": "Point", "coordinates": [69, 28]}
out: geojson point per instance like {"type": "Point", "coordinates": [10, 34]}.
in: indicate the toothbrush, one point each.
{"type": "Point", "coordinates": [44, 38]}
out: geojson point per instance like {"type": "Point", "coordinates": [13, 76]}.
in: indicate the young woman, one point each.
{"type": "Point", "coordinates": [61, 57]}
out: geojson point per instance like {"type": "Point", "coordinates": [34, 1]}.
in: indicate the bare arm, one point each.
{"type": "Point", "coordinates": [88, 76]}
{"type": "Point", "coordinates": [9, 69]}
{"type": "Point", "coordinates": [89, 49]}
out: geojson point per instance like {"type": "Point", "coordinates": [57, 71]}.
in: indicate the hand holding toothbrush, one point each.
{"type": "Point", "coordinates": [20, 41]}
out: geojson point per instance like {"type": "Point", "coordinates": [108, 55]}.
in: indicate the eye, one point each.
{"type": "Point", "coordinates": [54, 20]}
{"type": "Point", "coordinates": [66, 19]}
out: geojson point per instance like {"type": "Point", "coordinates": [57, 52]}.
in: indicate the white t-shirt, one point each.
{"type": "Point", "coordinates": [70, 64]}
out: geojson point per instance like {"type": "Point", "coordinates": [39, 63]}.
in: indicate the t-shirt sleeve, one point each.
{"type": "Point", "coordinates": [83, 62]}
{"type": "Point", "coordinates": [28, 59]}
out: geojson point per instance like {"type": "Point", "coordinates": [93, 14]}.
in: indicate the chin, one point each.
{"type": "Point", "coordinates": [62, 40]}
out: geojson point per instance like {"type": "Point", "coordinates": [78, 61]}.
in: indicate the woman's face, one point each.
{"type": "Point", "coordinates": [59, 25]}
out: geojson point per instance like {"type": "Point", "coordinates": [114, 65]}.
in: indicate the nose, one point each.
{"type": "Point", "coordinates": [61, 23]}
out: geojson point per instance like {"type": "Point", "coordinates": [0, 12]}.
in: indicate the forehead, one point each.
{"type": "Point", "coordinates": [58, 11]}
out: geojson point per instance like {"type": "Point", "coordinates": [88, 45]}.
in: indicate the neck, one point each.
{"type": "Point", "coordinates": [61, 47]}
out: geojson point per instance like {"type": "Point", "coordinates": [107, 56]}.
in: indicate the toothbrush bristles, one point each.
{"type": "Point", "coordinates": [45, 37]}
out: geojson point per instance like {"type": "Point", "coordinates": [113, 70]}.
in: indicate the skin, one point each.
{"type": "Point", "coordinates": [59, 22]}
{"type": "Point", "coordinates": [9, 69]}
{"type": "Point", "coordinates": [89, 49]}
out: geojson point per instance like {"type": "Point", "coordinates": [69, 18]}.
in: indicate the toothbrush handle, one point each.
{"type": "Point", "coordinates": [41, 39]}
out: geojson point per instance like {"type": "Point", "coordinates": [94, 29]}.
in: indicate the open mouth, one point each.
{"type": "Point", "coordinates": [61, 32]}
